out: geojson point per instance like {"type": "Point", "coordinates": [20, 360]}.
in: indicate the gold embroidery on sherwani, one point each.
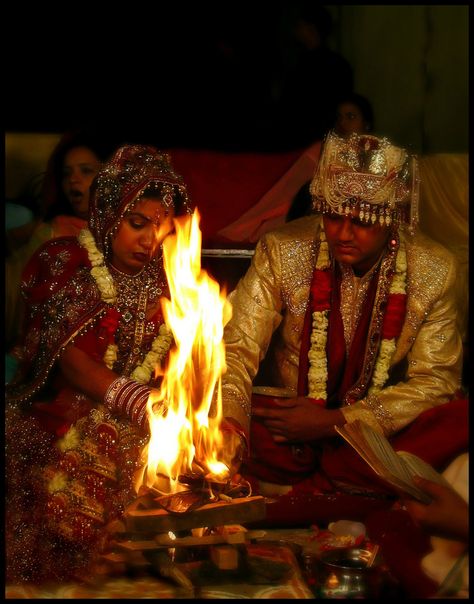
{"type": "Point", "coordinates": [395, 406]}
{"type": "Point", "coordinates": [353, 294]}
{"type": "Point", "coordinates": [383, 415]}
{"type": "Point", "coordinates": [425, 283]}
{"type": "Point", "coordinates": [297, 266]}
{"type": "Point", "coordinates": [358, 390]}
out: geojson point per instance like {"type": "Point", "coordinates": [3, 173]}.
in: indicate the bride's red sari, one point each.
{"type": "Point", "coordinates": [70, 460]}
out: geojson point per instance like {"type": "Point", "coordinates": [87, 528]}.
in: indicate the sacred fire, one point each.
{"type": "Point", "coordinates": [186, 443]}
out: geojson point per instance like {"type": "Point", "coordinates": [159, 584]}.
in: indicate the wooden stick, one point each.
{"type": "Point", "coordinates": [164, 541]}
{"type": "Point", "coordinates": [240, 510]}
{"type": "Point", "coordinates": [168, 569]}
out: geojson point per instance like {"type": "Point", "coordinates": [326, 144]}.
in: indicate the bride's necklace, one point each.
{"type": "Point", "coordinates": [135, 294]}
{"type": "Point", "coordinates": [125, 299]}
{"type": "Point", "coordinates": [130, 286]}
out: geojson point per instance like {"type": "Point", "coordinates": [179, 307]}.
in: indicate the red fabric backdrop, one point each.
{"type": "Point", "coordinates": [224, 185]}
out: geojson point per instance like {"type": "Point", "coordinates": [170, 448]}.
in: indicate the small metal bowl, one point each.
{"type": "Point", "coordinates": [346, 573]}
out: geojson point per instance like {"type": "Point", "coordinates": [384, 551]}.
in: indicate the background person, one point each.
{"type": "Point", "coordinates": [353, 114]}
{"type": "Point", "coordinates": [62, 211]}
{"type": "Point", "coordinates": [289, 197]}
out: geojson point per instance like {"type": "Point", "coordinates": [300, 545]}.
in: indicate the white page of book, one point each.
{"type": "Point", "coordinates": [418, 467]}
{"type": "Point", "coordinates": [386, 453]}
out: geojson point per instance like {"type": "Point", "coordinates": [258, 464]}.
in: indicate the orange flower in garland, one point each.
{"type": "Point", "coordinates": [321, 290]}
{"type": "Point", "coordinates": [395, 316]}
{"type": "Point", "coordinates": [109, 323]}
{"type": "Point", "coordinates": [108, 327]}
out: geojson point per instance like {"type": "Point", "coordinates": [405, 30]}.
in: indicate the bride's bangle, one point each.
{"type": "Point", "coordinates": [128, 398]}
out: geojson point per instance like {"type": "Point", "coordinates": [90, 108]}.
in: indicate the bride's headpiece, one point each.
{"type": "Point", "coordinates": [119, 185]}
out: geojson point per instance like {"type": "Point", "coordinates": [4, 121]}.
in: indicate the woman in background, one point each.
{"type": "Point", "coordinates": [289, 197]}
{"type": "Point", "coordinates": [354, 113]}
{"type": "Point", "coordinates": [64, 203]}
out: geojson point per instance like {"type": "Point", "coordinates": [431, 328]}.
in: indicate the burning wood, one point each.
{"type": "Point", "coordinates": [154, 521]}
{"type": "Point", "coordinates": [198, 490]}
{"type": "Point", "coordinates": [229, 535]}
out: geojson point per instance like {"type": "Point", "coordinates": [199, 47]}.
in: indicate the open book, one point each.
{"type": "Point", "coordinates": [397, 468]}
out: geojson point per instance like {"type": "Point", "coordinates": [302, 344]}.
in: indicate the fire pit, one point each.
{"type": "Point", "coordinates": [163, 531]}
{"type": "Point", "coordinates": [186, 500]}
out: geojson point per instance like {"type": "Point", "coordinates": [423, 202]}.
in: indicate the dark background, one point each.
{"type": "Point", "coordinates": [192, 74]}
{"type": "Point", "coordinates": [211, 74]}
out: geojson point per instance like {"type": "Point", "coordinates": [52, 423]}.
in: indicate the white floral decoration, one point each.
{"type": "Point", "coordinates": [110, 355]}
{"type": "Point", "coordinates": [161, 344]}
{"type": "Point", "coordinates": [318, 370]}
{"type": "Point", "coordinates": [69, 441]}
{"type": "Point", "coordinates": [322, 263]}
{"type": "Point", "coordinates": [318, 365]}
{"type": "Point", "coordinates": [380, 375]}
{"type": "Point", "coordinates": [387, 345]}
{"type": "Point", "coordinates": [159, 349]}
{"type": "Point", "coordinates": [99, 271]}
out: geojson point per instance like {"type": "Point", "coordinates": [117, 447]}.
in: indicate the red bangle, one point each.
{"type": "Point", "coordinates": [127, 397]}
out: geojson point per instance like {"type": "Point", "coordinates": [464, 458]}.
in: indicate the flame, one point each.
{"type": "Point", "coordinates": [187, 438]}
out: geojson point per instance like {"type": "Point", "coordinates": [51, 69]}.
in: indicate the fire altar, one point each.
{"type": "Point", "coordinates": [186, 500]}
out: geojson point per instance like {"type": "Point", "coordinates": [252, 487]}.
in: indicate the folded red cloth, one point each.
{"type": "Point", "coordinates": [403, 545]}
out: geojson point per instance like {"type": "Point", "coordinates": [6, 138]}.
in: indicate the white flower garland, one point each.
{"type": "Point", "coordinates": [159, 349]}
{"type": "Point", "coordinates": [318, 370]}
{"type": "Point", "coordinates": [318, 364]}
{"type": "Point", "coordinates": [387, 345]}
{"type": "Point", "coordinates": [161, 344]}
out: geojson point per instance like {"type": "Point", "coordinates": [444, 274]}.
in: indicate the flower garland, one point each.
{"type": "Point", "coordinates": [393, 321]}
{"type": "Point", "coordinates": [391, 328]}
{"type": "Point", "coordinates": [159, 349]}
{"type": "Point", "coordinates": [161, 344]}
{"type": "Point", "coordinates": [318, 364]}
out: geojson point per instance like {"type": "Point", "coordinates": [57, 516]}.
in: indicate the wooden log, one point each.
{"type": "Point", "coordinates": [225, 557]}
{"type": "Point", "coordinates": [164, 541]}
{"type": "Point", "coordinates": [161, 562]}
{"type": "Point", "coordinates": [240, 510]}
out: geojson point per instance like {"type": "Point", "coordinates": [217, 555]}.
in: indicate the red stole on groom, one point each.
{"type": "Point", "coordinates": [322, 462]}
{"type": "Point", "coordinates": [288, 464]}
